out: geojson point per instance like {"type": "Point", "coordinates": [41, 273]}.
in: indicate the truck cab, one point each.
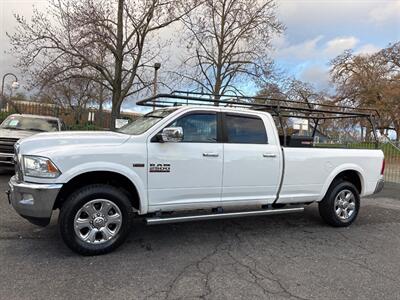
{"type": "Point", "coordinates": [201, 165]}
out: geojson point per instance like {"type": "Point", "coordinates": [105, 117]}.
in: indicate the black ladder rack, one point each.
{"type": "Point", "coordinates": [281, 108]}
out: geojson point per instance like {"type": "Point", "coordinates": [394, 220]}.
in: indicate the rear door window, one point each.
{"type": "Point", "coordinates": [242, 129]}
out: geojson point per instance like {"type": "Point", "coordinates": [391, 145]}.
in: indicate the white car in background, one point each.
{"type": "Point", "coordinates": [18, 126]}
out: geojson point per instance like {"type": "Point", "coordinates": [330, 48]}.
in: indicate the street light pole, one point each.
{"type": "Point", "coordinates": [157, 66]}
{"type": "Point", "coordinates": [15, 85]}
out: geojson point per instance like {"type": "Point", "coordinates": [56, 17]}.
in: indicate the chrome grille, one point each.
{"type": "Point", "coordinates": [7, 145]}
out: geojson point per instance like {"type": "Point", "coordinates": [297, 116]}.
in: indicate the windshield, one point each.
{"type": "Point", "coordinates": [145, 122]}
{"type": "Point", "coordinates": [29, 123]}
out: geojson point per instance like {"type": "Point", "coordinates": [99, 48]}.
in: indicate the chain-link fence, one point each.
{"type": "Point", "coordinates": [392, 158]}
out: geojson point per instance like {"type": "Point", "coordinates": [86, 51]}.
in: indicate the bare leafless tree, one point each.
{"type": "Point", "coordinates": [391, 56]}
{"type": "Point", "coordinates": [73, 95]}
{"type": "Point", "coordinates": [229, 40]}
{"type": "Point", "coordinates": [65, 41]}
{"type": "Point", "coordinates": [371, 80]}
{"type": "Point", "coordinates": [290, 89]}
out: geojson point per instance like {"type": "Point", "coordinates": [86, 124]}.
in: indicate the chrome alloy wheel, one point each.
{"type": "Point", "coordinates": [345, 205]}
{"type": "Point", "coordinates": [98, 221]}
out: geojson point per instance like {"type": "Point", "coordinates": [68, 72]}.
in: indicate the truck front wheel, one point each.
{"type": "Point", "coordinates": [95, 219]}
{"type": "Point", "coordinates": [341, 204]}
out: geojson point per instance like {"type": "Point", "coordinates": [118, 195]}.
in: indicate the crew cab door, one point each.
{"type": "Point", "coordinates": [252, 165]}
{"type": "Point", "coordinates": [189, 172]}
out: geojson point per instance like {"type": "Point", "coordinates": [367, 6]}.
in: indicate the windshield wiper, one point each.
{"type": "Point", "coordinates": [14, 128]}
{"type": "Point", "coordinates": [155, 117]}
{"type": "Point", "coordinates": [36, 129]}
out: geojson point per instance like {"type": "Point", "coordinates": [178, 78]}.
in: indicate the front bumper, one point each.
{"type": "Point", "coordinates": [33, 201]}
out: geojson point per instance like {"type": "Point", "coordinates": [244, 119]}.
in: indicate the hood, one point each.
{"type": "Point", "coordinates": [16, 134]}
{"type": "Point", "coordinates": [51, 142]}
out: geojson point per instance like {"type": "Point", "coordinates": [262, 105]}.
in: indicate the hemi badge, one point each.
{"type": "Point", "coordinates": [138, 165]}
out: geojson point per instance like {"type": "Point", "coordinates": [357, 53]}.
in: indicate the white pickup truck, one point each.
{"type": "Point", "coordinates": [181, 164]}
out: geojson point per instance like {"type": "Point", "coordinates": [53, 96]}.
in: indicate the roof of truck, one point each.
{"type": "Point", "coordinates": [223, 108]}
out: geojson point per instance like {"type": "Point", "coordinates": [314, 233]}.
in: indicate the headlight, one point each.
{"type": "Point", "coordinates": [37, 166]}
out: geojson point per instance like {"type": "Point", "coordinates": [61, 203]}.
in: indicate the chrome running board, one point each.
{"type": "Point", "coordinates": [166, 220]}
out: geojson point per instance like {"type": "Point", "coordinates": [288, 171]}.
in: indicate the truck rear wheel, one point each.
{"type": "Point", "coordinates": [341, 204]}
{"type": "Point", "coordinates": [95, 219]}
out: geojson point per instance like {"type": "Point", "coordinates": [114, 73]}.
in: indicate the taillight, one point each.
{"type": "Point", "coordinates": [383, 167]}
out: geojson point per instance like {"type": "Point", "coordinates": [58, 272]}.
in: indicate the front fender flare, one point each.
{"type": "Point", "coordinates": [101, 166]}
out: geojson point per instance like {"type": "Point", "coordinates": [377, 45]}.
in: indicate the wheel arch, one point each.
{"type": "Point", "coordinates": [113, 178]}
{"type": "Point", "coordinates": [351, 173]}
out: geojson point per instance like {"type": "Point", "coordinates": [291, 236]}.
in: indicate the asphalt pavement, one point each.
{"type": "Point", "coordinates": [272, 257]}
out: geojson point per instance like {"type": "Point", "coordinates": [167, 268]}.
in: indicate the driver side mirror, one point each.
{"type": "Point", "coordinates": [172, 135]}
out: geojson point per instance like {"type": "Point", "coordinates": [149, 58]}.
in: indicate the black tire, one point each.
{"type": "Point", "coordinates": [328, 207]}
{"type": "Point", "coordinates": [76, 201]}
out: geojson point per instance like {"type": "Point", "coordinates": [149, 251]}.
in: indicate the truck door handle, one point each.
{"type": "Point", "coordinates": [269, 155]}
{"type": "Point", "coordinates": [210, 154]}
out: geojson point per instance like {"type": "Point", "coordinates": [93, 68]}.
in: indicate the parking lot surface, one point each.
{"type": "Point", "coordinates": [273, 257]}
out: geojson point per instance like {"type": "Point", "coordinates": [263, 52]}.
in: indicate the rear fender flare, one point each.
{"type": "Point", "coordinates": [336, 172]}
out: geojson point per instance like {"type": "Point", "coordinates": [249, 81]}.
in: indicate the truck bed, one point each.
{"type": "Point", "coordinates": [308, 172]}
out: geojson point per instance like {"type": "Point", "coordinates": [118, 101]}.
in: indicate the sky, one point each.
{"type": "Point", "coordinates": [319, 30]}
{"type": "Point", "coordinates": [316, 32]}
